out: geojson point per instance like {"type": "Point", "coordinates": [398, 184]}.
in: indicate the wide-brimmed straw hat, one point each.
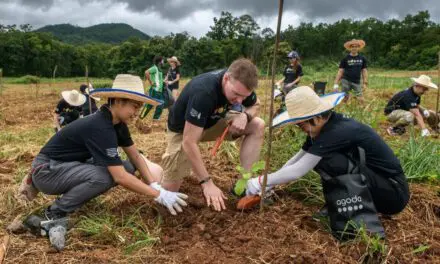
{"type": "Point", "coordinates": [174, 59]}
{"type": "Point", "coordinates": [359, 42]}
{"type": "Point", "coordinates": [126, 86]}
{"type": "Point", "coordinates": [425, 81]}
{"type": "Point", "coordinates": [74, 98]}
{"type": "Point", "coordinates": [303, 103]}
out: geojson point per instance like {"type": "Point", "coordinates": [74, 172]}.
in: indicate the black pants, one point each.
{"type": "Point", "coordinates": [390, 193]}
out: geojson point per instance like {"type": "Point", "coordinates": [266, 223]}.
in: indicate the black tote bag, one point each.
{"type": "Point", "coordinates": [349, 201]}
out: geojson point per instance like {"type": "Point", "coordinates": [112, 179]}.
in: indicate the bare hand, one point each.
{"type": "Point", "coordinates": [238, 124]}
{"type": "Point", "coordinates": [214, 196]}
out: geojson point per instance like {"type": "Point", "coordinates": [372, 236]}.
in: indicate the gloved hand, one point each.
{"type": "Point", "coordinates": [253, 186]}
{"type": "Point", "coordinates": [171, 200]}
{"type": "Point", "coordinates": [335, 87]}
{"type": "Point", "coordinates": [425, 132]}
{"type": "Point", "coordinates": [426, 113]}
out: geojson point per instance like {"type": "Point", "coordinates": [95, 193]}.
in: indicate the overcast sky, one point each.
{"type": "Point", "coordinates": [161, 17]}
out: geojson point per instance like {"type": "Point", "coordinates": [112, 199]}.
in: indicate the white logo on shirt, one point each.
{"type": "Point", "coordinates": [194, 113]}
{"type": "Point", "coordinates": [112, 152]}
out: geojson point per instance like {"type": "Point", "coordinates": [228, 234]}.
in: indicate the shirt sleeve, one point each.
{"type": "Point", "coordinates": [364, 63]}
{"type": "Point", "coordinates": [250, 100]}
{"type": "Point", "coordinates": [300, 70]}
{"type": "Point", "coordinates": [177, 70]}
{"type": "Point", "coordinates": [199, 109]}
{"type": "Point", "coordinates": [60, 106]}
{"type": "Point", "coordinates": [152, 70]}
{"type": "Point", "coordinates": [343, 64]}
{"type": "Point", "coordinates": [123, 135]}
{"type": "Point", "coordinates": [103, 147]}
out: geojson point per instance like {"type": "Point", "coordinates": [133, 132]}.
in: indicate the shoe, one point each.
{"type": "Point", "coordinates": [55, 227]}
{"type": "Point", "coordinates": [54, 214]}
{"type": "Point", "coordinates": [391, 132]}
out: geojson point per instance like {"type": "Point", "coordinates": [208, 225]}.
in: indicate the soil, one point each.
{"type": "Point", "coordinates": [284, 233]}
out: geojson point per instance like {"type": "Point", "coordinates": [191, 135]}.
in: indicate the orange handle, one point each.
{"type": "Point", "coordinates": [219, 141]}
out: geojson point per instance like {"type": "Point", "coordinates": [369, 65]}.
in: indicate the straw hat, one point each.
{"type": "Point", "coordinates": [73, 97]}
{"type": "Point", "coordinates": [126, 86]}
{"type": "Point", "coordinates": [424, 81]}
{"type": "Point", "coordinates": [359, 42]}
{"type": "Point", "coordinates": [174, 59]}
{"type": "Point", "coordinates": [303, 103]}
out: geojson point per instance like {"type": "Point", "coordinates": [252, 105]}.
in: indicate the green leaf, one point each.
{"type": "Point", "coordinates": [421, 249]}
{"type": "Point", "coordinates": [240, 169]}
{"type": "Point", "coordinates": [247, 175]}
{"type": "Point", "coordinates": [240, 186]}
{"type": "Point", "coordinates": [258, 166]}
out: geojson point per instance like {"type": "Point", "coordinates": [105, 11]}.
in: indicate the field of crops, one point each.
{"type": "Point", "coordinates": [122, 227]}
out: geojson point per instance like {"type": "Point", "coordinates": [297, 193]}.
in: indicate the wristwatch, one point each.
{"type": "Point", "coordinates": [205, 180]}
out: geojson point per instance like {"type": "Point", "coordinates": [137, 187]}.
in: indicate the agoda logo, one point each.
{"type": "Point", "coordinates": [349, 204]}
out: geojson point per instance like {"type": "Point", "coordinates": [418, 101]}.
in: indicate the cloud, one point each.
{"type": "Point", "coordinates": [195, 16]}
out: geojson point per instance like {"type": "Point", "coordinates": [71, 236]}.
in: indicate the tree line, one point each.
{"type": "Point", "coordinates": [411, 43]}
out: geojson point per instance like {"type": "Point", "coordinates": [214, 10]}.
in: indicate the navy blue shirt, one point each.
{"type": "Point", "coordinates": [202, 102]}
{"type": "Point", "coordinates": [344, 135]}
{"type": "Point", "coordinates": [353, 66]}
{"type": "Point", "coordinates": [403, 100]}
{"type": "Point", "coordinates": [93, 136]}
{"type": "Point", "coordinates": [172, 75]}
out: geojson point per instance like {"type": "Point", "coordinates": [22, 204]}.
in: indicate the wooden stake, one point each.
{"type": "Point", "coordinates": [87, 83]}
{"type": "Point", "coordinates": [53, 75]}
{"type": "Point", "coordinates": [4, 248]}
{"type": "Point", "coordinates": [265, 90]}
{"type": "Point", "coordinates": [269, 146]}
{"type": "Point", "coordinates": [1, 80]}
{"type": "Point", "coordinates": [438, 90]}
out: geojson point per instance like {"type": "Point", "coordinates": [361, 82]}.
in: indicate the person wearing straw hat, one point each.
{"type": "Point", "coordinates": [331, 141]}
{"type": "Point", "coordinates": [68, 108]}
{"type": "Point", "coordinates": [404, 108]}
{"type": "Point", "coordinates": [350, 70]}
{"type": "Point", "coordinates": [173, 76]}
{"type": "Point", "coordinates": [85, 90]}
{"type": "Point", "coordinates": [155, 78]}
{"type": "Point", "coordinates": [82, 160]}
{"type": "Point", "coordinates": [209, 105]}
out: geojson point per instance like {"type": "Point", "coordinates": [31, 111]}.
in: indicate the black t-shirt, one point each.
{"type": "Point", "coordinates": [403, 100]}
{"type": "Point", "coordinates": [344, 135]}
{"type": "Point", "coordinates": [202, 102]}
{"type": "Point", "coordinates": [353, 65]}
{"type": "Point", "coordinates": [291, 73]}
{"type": "Point", "coordinates": [172, 75]}
{"type": "Point", "coordinates": [65, 107]}
{"type": "Point", "coordinates": [85, 107]}
{"type": "Point", "coordinates": [92, 136]}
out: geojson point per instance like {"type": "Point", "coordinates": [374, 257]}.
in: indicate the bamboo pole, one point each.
{"type": "Point", "coordinates": [269, 147]}
{"type": "Point", "coordinates": [438, 91]}
{"type": "Point", "coordinates": [88, 89]}
{"type": "Point", "coordinates": [53, 77]}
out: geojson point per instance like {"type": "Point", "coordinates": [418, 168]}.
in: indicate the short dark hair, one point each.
{"type": "Point", "coordinates": [83, 88]}
{"type": "Point", "coordinates": [245, 71]}
{"type": "Point", "coordinates": [111, 101]}
{"type": "Point", "coordinates": [157, 59]}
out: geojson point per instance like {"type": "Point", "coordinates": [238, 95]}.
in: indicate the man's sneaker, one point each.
{"type": "Point", "coordinates": [396, 131]}
{"type": "Point", "coordinates": [55, 226]}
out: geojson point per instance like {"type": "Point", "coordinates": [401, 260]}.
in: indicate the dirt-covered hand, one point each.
{"type": "Point", "coordinates": [214, 196]}
{"type": "Point", "coordinates": [238, 124]}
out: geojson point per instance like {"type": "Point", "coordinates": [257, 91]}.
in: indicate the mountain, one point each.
{"type": "Point", "coordinates": [106, 33]}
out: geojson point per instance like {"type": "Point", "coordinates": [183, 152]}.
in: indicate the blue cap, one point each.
{"type": "Point", "coordinates": [293, 55]}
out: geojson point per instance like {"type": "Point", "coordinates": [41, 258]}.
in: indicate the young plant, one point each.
{"type": "Point", "coordinates": [240, 186]}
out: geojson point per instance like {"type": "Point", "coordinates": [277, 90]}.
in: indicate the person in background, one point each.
{"type": "Point", "coordinates": [68, 108]}
{"type": "Point", "coordinates": [86, 106]}
{"type": "Point", "coordinates": [350, 70]}
{"type": "Point", "coordinates": [173, 76]}
{"type": "Point", "coordinates": [404, 108]}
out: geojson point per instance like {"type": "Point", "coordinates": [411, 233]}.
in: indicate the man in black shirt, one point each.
{"type": "Point", "coordinates": [173, 76]}
{"type": "Point", "coordinates": [82, 160]}
{"type": "Point", "coordinates": [86, 110]}
{"type": "Point", "coordinates": [68, 108]}
{"type": "Point", "coordinates": [201, 114]}
{"type": "Point", "coordinates": [350, 69]}
{"type": "Point", "coordinates": [404, 108]}
{"type": "Point", "coordinates": [332, 143]}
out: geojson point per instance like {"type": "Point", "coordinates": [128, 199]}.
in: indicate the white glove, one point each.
{"type": "Point", "coordinates": [335, 87]}
{"type": "Point", "coordinates": [426, 113]}
{"type": "Point", "coordinates": [253, 187]}
{"type": "Point", "coordinates": [425, 132]}
{"type": "Point", "coordinates": [171, 200]}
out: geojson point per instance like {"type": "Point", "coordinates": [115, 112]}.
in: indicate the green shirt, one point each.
{"type": "Point", "coordinates": [156, 78]}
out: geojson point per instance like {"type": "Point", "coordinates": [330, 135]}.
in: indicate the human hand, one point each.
{"type": "Point", "coordinates": [253, 186]}
{"type": "Point", "coordinates": [214, 196]}
{"type": "Point", "coordinates": [238, 124]}
{"type": "Point", "coordinates": [425, 132]}
{"type": "Point", "coordinates": [335, 87]}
